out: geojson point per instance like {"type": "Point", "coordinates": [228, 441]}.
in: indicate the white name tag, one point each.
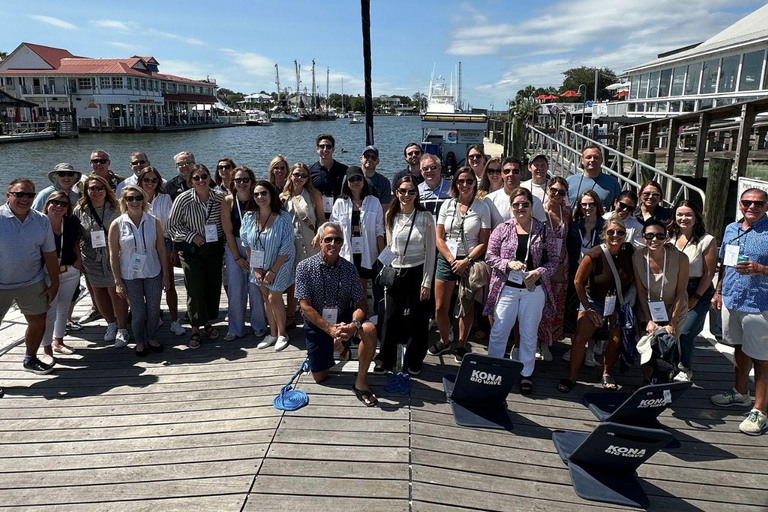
{"type": "Point", "coordinates": [731, 255]}
{"type": "Point", "coordinates": [327, 204]}
{"type": "Point", "coordinates": [610, 305]}
{"type": "Point", "coordinates": [137, 262]}
{"type": "Point", "coordinates": [98, 239]}
{"type": "Point", "coordinates": [453, 247]}
{"type": "Point", "coordinates": [330, 315]}
{"type": "Point", "coordinates": [357, 245]}
{"type": "Point", "coordinates": [257, 259]}
{"type": "Point", "coordinates": [667, 396]}
{"type": "Point", "coordinates": [658, 311]}
{"type": "Point", "coordinates": [386, 257]}
{"type": "Point", "coordinates": [517, 277]}
{"type": "Point", "coordinates": [211, 233]}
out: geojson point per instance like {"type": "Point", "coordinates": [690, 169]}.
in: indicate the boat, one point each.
{"type": "Point", "coordinates": [257, 118]}
{"type": "Point", "coordinates": [281, 116]}
{"type": "Point", "coordinates": [355, 120]}
{"type": "Point", "coordinates": [447, 128]}
{"type": "Point", "coordinates": [282, 112]}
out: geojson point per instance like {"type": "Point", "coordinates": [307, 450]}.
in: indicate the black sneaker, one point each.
{"type": "Point", "coordinates": [2, 392]}
{"type": "Point", "coordinates": [74, 325]}
{"type": "Point", "coordinates": [35, 365]}
{"type": "Point", "coordinates": [414, 371]}
{"type": "Point", "coordinates": [439, 348]}
{"type": "Point", "coordinates": [92, 315]}
{"type": "Point", "coordinates": [460, 353]}
{"type": "Point", "coordinates": [379, 366]}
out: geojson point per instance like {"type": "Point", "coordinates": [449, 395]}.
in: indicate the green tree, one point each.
{"type": "Point", "coordinates": [583, 75]}
{"type": "Point", "coordinates": [3, 55]}
{"type": "Point", "coordinates": [356, 104]}
{"type": "Point", "coordinates": [229, 97]}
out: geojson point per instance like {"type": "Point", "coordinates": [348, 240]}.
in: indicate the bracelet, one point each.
{"type": "Point", "coordinates": [238, 258]}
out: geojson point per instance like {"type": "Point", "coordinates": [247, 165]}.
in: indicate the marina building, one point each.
{"type": "Point", "coordinates": [104, 94]}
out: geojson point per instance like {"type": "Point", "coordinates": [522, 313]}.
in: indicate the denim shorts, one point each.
{"type": "Point", "coordinates": [320, 344]}
{"type": "Point", "coordinates": [443, 270]}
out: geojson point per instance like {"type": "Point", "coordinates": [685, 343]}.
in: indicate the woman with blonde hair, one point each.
{"type": "Point", "coordinates": [278, 172]}
{"type": "Point", "coordinates": [491, 180]}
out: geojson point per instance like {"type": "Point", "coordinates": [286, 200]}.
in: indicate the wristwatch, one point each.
{"type": "Point", "coordinates": [357, 323]}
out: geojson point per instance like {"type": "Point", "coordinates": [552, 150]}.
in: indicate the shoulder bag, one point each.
{"type": "Point", "coordinates": [389, 277]}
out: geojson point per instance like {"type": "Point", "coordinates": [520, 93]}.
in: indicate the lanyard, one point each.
{"type": "Point", "coordinates": [591, 241]}
{"type": "Point", "coordinates": [143, 236]}
{"type": "Point", "coordinates": [552, 224]}
{"type": "Point", "coordinates": [741, 235]}
{"type": "Point", "coordinates": [648, 275]}
{"type": "Point", "coordinates": [208, 210]}
{"type": "Point", "coordinates": [96, 215]}
{"type": "Point", "coordinates": [528, 245]}
{"type": "Point", "coordinates": [260, 231]}
{"type": "Point", "coordinates": [239, 211]}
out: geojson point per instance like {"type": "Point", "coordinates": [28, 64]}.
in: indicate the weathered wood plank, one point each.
{"type": "Point", "coordinates": [259, 502]}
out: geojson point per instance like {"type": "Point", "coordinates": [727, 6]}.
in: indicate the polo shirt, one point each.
{"type": "Point", "coordinates": [418, 178]}
{"type": "Point", "coordinates": [606, 186]}
{"type": "Point", "coordinates": [433, 198]}
{"type": "Point", "coordinates": [22, 245]}
{"type": "Point", "coordinates": [746, 293]}
{"type": "Point", "coordinates": [382, 188]}
{"type": "Point", "coordinates": [328, 181]}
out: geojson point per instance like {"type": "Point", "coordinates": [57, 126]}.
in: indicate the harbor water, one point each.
{"type": "Point", "coordinates": [253, 146]}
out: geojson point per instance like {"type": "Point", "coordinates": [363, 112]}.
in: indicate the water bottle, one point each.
{"type": "Point", "coordinates": [400, 358]}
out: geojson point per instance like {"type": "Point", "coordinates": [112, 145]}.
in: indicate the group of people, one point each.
{"type": "Point", "coordinates": [526, 262]}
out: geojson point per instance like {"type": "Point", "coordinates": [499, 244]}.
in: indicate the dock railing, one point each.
{"type": "Point", "coordinates": [564, 153]}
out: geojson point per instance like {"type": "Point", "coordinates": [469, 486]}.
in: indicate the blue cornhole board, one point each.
{"type": "Point", "coordinates": [478, 392]}
{"type": "Point", "coordinates": [602, 464]}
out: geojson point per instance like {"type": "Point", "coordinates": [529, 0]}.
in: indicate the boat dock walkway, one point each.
{"type": "Point", "coordinates": [196, 430]}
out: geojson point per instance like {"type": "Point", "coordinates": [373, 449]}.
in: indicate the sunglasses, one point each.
{"type": "Point", "coordinates": [96, 189]}
{"type": "Point", "coordinates": [355, 179]}
{"type": "Point", "coordinates": [557, 192]}
{"type": "Point", "coordinates": [429, 168]}
{"type": "Point", "coordinates": [587, 205]}
{"type": "Point", "coordinates": [200, 177]}
{"type": "Point", "coordinates": [19, 195]}
{"type": "Point", "coordinates": [407, 191]}
{"type": "Point", "coordinates": [62, 204]}
{"type": "Point", "coordinates": [370, 157]}
{"type": "Point", "coordinates": [133, 199]}
{"type": "Point", "coordinates": [325, 146]}
{"type": "Point", "coordinates": [242, 180]}
{"type": "Point", "coordinates": [99, 160]}
{"type": "Point", "coordinates": [625, 207]}
{"type": "Point", "coordinates": [149, 180]}
{"type": "Point", "coordinates": [333, 240]}
{"type": "Point", "coordinates": [184, 162]}
{"type": "Point", "coordinates": [279, 168]}
{"type": "Point", "coordinates": [413, 153]}
{"type": "Point", "coordinates": [524, 204]}
{"type": "Point", "coordinates": [65, 174]}
{"type": "Point", "coordinates": [657, 236]}
{"type": "Point", "coordinates": [506, 172]}
{"type": "Point", "coordinates": [261, 193]}
{"type": "Point", "coordinates": [648, 195]}
{"type": "Point", "coordinates": [475, 156]}
{"type": "Point", "coordinates": [137, 162]}
{"type": "Point", "coordinates": [746, 203]}
{"type": "Point", "coordinates": [299, 176]}
{"type": "Point", "coordinates": [615, 232]}
{"type": "Point", "coordinates": [225, 167]}
{"type": "Point", "coordinates": [493, 171]}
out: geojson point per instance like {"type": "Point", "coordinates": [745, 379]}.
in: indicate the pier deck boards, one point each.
{"type": "Point", "coordinates": [196, 430]}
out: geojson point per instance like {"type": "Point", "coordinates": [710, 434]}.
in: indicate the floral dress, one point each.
{"type": "Point", "coordinates": [551, 326]}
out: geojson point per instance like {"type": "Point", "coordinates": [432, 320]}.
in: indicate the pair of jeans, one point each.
{"type": "Point", "coordinates": [56, 319]}
{"type": "Point", "coordinates": [240, 291]}
{"type": "Point", "coordinates": [694, 323]}
{"type": "Point", "coordinates": [144, 298]}
{"type": "Point", "coordinates": [517, 304]}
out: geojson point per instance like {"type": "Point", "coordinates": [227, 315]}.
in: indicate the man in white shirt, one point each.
{"type": "Point", "coordinates": [539, 168]}
{"type": "Point", "coordinates": [434, 190]}
{"type": "Point", "coordinates": [498, 202]}
{"type": "Point", "coordinates": [139, 162]}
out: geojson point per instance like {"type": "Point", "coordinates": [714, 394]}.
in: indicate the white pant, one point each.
{"type": "Point", "coordinates": [517, 303]}
{"type": "Point", "coordinates": [56, 320]}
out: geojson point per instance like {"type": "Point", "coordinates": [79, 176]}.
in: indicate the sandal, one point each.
{"type": "Point", "coordinates": [144, 350]}
{"type": "Point", "coordinates": [194, 341]}
{"type": "Point", "coordinates": [565, 385]}
{"type": "Point", "coordinates": [63, 349]}
{"type": "Point", "coordinates": [609, 383]}
{"type": "Point", "coordinates": [211, 332]}
{"type": "Point", "coordinates": [154, 348]}
{"type": "Point", "coordinates": [366, 396]}
{"type": "Point", "coordinates": [526, 386]}
{"type": "Point", "coordinates": [346, 353]}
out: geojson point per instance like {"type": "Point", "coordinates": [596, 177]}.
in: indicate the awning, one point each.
{"type": "Point", "coordinates": [191, 98]}
{"type": "Point", "coordinates": [7, 100]}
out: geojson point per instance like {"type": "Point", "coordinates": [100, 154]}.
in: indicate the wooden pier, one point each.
{"type": "Point", "coordinates": [196, 430]}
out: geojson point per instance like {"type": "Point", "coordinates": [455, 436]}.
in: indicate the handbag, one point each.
{"type": "Point", "coordinates": [389, 277]}
{"type": "Point", "coordinates": [479, 271]}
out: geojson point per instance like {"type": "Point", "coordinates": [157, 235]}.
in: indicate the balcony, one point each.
{"type": "Point", "coordinates": [42, 90]}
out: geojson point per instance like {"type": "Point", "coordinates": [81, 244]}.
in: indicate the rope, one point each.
{"type": "Point", "coordinates": [399, 382]}
{"type": "Point", "coordinates": [292, 399]}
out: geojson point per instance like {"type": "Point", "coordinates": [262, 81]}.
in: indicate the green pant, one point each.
{"type": "Point", "coordinates": [202, 278]}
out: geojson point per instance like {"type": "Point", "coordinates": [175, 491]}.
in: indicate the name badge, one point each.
{"type": "Point", "coordinates": [386, 257]}
{"type": "Point", "coordinates": [137, 262]}
{"type": "Point", "coordinates": [357, 245]}
{"type": "Point", "coordinates": [330, 315]}
{"type": "Point", "coordinates": [98, 239]}
{"type": "Point", "coordinates": [327, 204]}
{"type": "Point", "coordinates": [453, 247]}
{"type": "Point", "coordinates": [211, 233]}
{"type": "Point", "coordinates": [517, 277]}
{"type": "Point", "coordinates": [667, 396]}
{"type": "Point", "coordinates": [658, 311]}
{"type": "Point", "coordinates": [731, 255]}
{"type": "Point", "coordinates": [257, 259]}
{"type": "Point", "coordinates": [610, 305]}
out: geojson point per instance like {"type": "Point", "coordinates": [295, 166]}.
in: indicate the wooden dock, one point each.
{"type": "Point", "coordinates": [196, 430]}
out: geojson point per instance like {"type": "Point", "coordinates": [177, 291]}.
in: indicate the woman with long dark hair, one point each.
{"type": "Point", "coordinates": [651, 195]}
{"type": "Point", "coordinates": [223, 175]}
{"type": "Point", "coordinates": [475, 159]}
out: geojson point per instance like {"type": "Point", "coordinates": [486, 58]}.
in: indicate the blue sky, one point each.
{"type": "Point", "coordinates": [503, 45]}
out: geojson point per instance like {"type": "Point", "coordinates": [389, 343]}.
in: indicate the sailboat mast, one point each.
{"type": "Point", "coordinates": [277, 82]}
{"type": "Point", "coordinates": [298, 83]}
{"type": "Point", "coordinates": [314, 87]}
{"type": "Point", "coordinates": [327, 89]}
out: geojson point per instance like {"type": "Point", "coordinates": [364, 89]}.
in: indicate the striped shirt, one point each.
{"type": "Point", "coordinates": [421, 247]}
{"type": "Point", "coordinates": [189, 216]}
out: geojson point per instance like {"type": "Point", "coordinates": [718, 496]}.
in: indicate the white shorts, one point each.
{"type": "Point", "coordinates": [750, 330]}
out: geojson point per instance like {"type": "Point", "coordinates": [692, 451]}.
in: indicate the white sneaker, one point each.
{"type": "Point", "coordinates": [515, 355]}
{"type": "Point", "coordinates": [755, 424]}
{"type": "Point", "coordinates": [538, 356]}
{"type": "Point", "coordinates": [732, 397]}
{"type": "Point", "coordinates": [600, 347]}
{"type": "Point", "coordinates": [121, 339]}
{"type": "Point", "coordinates": [268, 341]}
{"type": "Point", "coordinates": [177, 329]}
{"type": "Point", "coordinates": [684, 376]}
{"type": "Point", "coordinates": [111, 332]}
{"type": "Point", "coordinates": [545, 353]}
{"type": "Point", "coordinates": [567, 355]}
{"type": "Point", "coordinates": [282, 342]}
{"type": "Point", "coordinates": [589, 359]}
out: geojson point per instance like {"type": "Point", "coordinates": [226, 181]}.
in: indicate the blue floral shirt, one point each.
{"type": "Point", "coordinates": [746, 293]}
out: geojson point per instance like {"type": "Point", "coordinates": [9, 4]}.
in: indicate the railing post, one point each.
{"type": "Point", "coordinates": [718, 181]}
{"type": "Point", "coordinates": [518, 132]}
{"type": "Point", "coordinates": [635, 141]}
{"type": "Point", "coordinates": [653, 132]}
{"type": "Point", "coordinates": [507, 135]}
{"type": "Point", "coordinates": [705, 120]}
{"type": "Point", "coordinates": [745, 133]}
{"type": "Point", "coordinates": [648, 158]}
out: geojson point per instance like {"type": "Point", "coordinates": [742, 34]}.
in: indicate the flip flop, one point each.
{"type": "Point", "coordinates": [565, 385]}
{"type": "Point", "coordinates": [609, 383]}
{"type": "Point", "coordinates": [194, 341]}
{"type": "Point", "coordinates": [526, 386]}
{"type": "Point", "coordinates": [366, 396]}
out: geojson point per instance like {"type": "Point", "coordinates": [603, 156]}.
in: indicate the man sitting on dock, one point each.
{"type": "Point", "coordinates": [499, 201]}
{"type": "Point", "coordinates": [327, 174]}
{"type": "Point", "coordinates": [27, 249]}
{"type": "Point", "coordinates": [606, 186]}
{"type": "Point", "coordinates": [100, 165]}
{"type": "Point", "coordinates": [434, 190]}
{"type": "Point", "coordinates": [412, 154]}
{"type": "Point", "coordinates": [138, 162]}
{"type": "Point", "coordinates": [380, 185]}
{"type": "Point", "coordinates": [334, 306]}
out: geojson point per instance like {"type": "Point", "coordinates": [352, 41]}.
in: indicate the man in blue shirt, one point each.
{"type": "Point", "coordinates": [412, 155]}
{"type": "Point", "coordinates": [742, 295]}
{"type": "Point", "coordinates": [327, 174]}
{"type": "Point", "coordinates": [334, 306]}
{"type": "Point", "coordinates": [26, 240]}
{"type": "Point", "coordinates": [592, 178]}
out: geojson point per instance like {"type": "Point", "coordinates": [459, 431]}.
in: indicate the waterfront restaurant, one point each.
{"type": "Point", "coordinates": [105, 94]}
{"type": "Point", "coordinates": [730, 67]}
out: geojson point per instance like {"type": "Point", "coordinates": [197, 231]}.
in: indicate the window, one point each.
{"type": "Point", "coordinates": [643, 86]}
{"type": "Point", "coordinates": [678, 79]}
{"type": "Point", "coordinates": [674, 106]}
{"type": "Point", "coordinates": [653, 86]}
{"type": "Point", "coordinates": [705, 104]}
{"type": "Point", "coordinates": [117, 82]}
{"type": "Point", "coordinates": [692, 79]}
{"type": "Point", "coordinates": [709, 76]}
{"type": "Point", "coordinates": [750, 71]}
{"type": "Point", "coordinates": [136, 83]}
{"type": "Point", "coordinates": [688, 105]}
{"type": "Point", "coordinates": [104, 82]}
{"type": "Point", "coordinates": [634, 86]}
{"type": "Point", "coordinates": [666, 79]}
{"type": "Point", "coordinates": [143, 84]}
{"type": "Point", "coordinates": [728, 70]}
{"type": "Point", "coordinates": [162, 86]}
{"type": "Point", "coordinates": [84, 83]}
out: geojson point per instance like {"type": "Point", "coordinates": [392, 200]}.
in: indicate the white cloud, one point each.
{"type": "Point", "coordinates": [126, 46]}
{"type": "Point", "coordinates": [55, 22]}
{"type": "Point", "coordinates": [121, 26]}
{"type": "Point", "coordinates": [187, 69]}
{"type": "Point", "coordinates": [251, 63]}
{"type": "Point", "coordinates": [169, 35]}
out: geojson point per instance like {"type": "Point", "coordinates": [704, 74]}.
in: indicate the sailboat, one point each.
{"type": "Point", "coordinates": [281, 113]}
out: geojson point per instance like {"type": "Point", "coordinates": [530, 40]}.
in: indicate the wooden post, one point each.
{"type": "Point", "coordinates": [648, 158]}
{"type": "Point", "coordinates": [653, 132]}
{"type": "Point", "coordinates": [705, 120]}
{"type": "Point", "coordinates": [621, 146]}
{"type": "Point", "coordinates": [718, 181]}
{"type": "Point", "coordinates": [505, 139]}
{"type": "Point", "coordinates": [674, 126]}
{"type": "Point", "coordinates": [635, 141]}
{"type": "Point", "coordinates": [518, 142]}
{"type": "Point", "coordinates": [745, 133]}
